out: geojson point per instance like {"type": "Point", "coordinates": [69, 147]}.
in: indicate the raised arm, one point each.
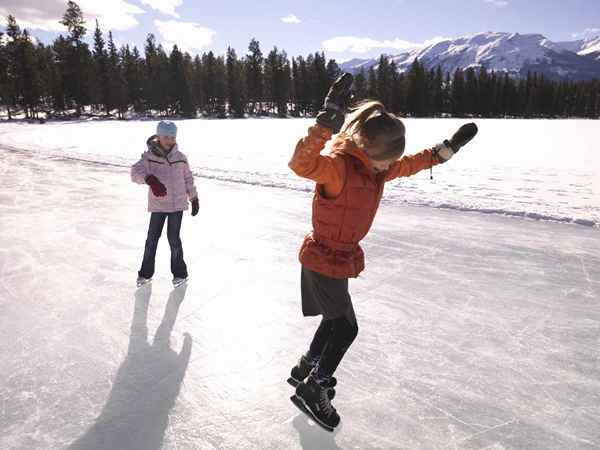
{"type": "Point", "coordinates": [307, 161]}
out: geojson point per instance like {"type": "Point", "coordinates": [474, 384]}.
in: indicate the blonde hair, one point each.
{"type": "Point", "coordinates": [380, 133]}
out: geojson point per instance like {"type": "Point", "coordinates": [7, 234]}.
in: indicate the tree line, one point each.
{"type": "Point", "coordinates": [70, 78]}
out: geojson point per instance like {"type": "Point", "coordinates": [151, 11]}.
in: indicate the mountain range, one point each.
{"type": "Point", "coordinates": [514, 53]}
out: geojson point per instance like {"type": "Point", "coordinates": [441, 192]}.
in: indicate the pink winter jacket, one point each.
{"type": "Point", "coordinates": [174, 172]}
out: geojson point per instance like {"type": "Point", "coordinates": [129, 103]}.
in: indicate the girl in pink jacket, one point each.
{"type": "Point", "coordinates": [171, 184]}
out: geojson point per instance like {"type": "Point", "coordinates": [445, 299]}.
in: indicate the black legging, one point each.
{"type": "Point", "coordinates": [331, 341]}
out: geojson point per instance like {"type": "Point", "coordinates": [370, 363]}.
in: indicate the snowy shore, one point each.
{"type": "Point", "coordinates": [538, 169]}
{"type": "Point", "coordinates": [476, 331]}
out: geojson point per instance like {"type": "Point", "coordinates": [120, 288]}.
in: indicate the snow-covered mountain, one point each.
{"type": "Point", "coordinates": [514, 53]}
{"type": "Point", "coordinates": [585, 47]}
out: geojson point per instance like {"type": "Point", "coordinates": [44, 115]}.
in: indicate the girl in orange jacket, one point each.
{"type": "Point", "coordinates": [349, 185]}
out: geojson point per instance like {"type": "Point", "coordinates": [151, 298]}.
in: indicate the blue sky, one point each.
{"type": "Point", "coordinates": [343, 29]}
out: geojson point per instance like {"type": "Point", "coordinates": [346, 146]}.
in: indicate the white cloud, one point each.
{"type": "Point", "coordinates": [290, 18]}
{"type": "Point", "coordinates": [4, 39]}
{"type": "Point", "coordinates": [355, 44]}
{"type": "Point", "coordinates": [45, 15]}
{"type": "Point", "coordinates": [188, 36]}
{"type": "Point", "coordinates": [164, 6]}
{"type": "Point", "coordinates": [498, 3]}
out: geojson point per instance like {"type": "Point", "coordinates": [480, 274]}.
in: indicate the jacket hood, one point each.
{"type": "Point", "coordinates": [345, 145]}
{"type": "Point", "coordinates": [156, 149]}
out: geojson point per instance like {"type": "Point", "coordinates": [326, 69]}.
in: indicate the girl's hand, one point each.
{"type": "Point", "coordinates": [195, 206]}
{"type": "Point", "coordinates": [158, 189]}
{"type": "Point", "coordinates": [336, 103]}
{"type": "Point", "coordinates": [464, 134]}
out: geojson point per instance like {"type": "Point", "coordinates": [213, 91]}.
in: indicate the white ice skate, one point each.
{"type": "Point", "coordinates": [179, 281]}
{"type": "Point", "coordinates": [142, 281]}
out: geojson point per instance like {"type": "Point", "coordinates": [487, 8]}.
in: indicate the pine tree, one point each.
{"type": "Point", "coordinates": [220, 87]}
{"type": "Point", "coordinates": [197, 85]}
{"type": "Point", "coordinates": [458, 94]}
{"type": "Point", "coordinates": [3, 71]}
{"type": "Point", "coordinates": [209, 85]}
{"type": "Point", "coordinates": [372, 92]}
{"type": "Point", "coordinates": [437, 92]}
{"type": "Point", "coordinates": [78, 57]}
{"type": "Point", "coordinates": [235, 84]}
{"type": "Point", "coordinates": [179, 92]}
{"type": "Point", "coordinates": [134, 77]}
{"type": "Point", "coordinates": [162, 82]}
{"type": "Point", "coordinates": [277, 81]}
{"type": "Point", "coordinates": [471, 91]}
{"type": "Point", "coordinates": [333, 70]}
{"type": "Point", "coordinates": [417, 100]}
{"type": "Point", "coordinates": [101, 81]}
{"type": "Point", "coordinates": [254, 76]}
{"type": "Point", "coordinates": [47, 78]}
{"type": "Point", "coordinates": [360, 86]}
{"type": "Point", "coordinates": [398, 94]}
{"type": "Point", "coordinates": [384, 81]}
{"type": "Point", "coordinates": [31, 89]}
{"type": "Point", "coordinates": [73, 20]}
{"type": "Point", "coordinates": [304, 87]}
{"type": "Point", "coordinates": [117, 88]}
{"type": "Point", "coordinates": [152, 93]}
{"type": "Point", "coordinates": [13, 83]}
{"type": "Point", "coordinates": [321, 80]}
{"type": "Point", "coordinates": [284, 84]}
{"type": "Point", "coordinates": [270, 80]}
{"type": "Point", "coordinates": [485, 96]}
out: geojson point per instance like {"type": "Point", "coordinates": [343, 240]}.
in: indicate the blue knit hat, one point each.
{"type": "Point", "coordinates": [166, 128]}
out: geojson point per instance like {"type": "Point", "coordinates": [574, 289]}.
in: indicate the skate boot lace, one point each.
{"type": "Point", "coordinates": [325, 403]}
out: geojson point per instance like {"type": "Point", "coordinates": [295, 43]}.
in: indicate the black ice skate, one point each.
{"type": "Point", "coordinates": [313, 400]}
{"type": "Point", "coordinates": [301, 370]}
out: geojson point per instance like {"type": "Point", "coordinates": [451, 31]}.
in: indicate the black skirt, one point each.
{"type": "Point", "coordinates": [324, 295]}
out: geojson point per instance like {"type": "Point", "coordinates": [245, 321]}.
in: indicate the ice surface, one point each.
{"type": "Point", "coordinates": [540, 169]}
{"type": "Point", "coordinates": [476, 331]}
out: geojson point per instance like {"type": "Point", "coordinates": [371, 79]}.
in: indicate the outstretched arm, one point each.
{"type": "Point", "coordinates": [411, 164]}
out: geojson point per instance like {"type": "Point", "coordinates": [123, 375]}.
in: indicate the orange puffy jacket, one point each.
{"type": "Point", "coordinates": [347, 196]}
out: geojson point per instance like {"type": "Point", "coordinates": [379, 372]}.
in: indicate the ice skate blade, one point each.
{"type": "Point", "coordinates": [142, 284]}
{"type": "Point", "coordinates": [180, 283]}
{"type": "Point", "coordinates": [302, 407]}
{"type": "Point", "coordinates": [293, 382]}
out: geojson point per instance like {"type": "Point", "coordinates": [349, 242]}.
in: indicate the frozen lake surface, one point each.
{"type": "Point", "coordinates": [476, 330]}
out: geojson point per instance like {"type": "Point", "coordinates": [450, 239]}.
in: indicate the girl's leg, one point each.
{"type": "Point", "coordinates": [178, 267]}
{"type": "Point", "coordinates": [343, 332]}
{"type": "Point", "coordinates": [320, 339]}
{"type": "Point", "coordinates": [157, 221]}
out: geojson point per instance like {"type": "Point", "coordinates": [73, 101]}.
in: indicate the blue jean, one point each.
{"type": "Point", "coordinates": [157, 221]}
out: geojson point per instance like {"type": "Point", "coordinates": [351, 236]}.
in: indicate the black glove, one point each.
{"type": "Point", "coordinates": [462, 136]}
{"type": "Point", "coordinates": [336, 103]}
{"type": "Point", "coordinates": [158, 189]}
{"type": "Point", "coordinates": [195, 206]}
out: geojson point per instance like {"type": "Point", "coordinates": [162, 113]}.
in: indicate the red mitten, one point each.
{"type": "Point", "coordinates": [157, 187]}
